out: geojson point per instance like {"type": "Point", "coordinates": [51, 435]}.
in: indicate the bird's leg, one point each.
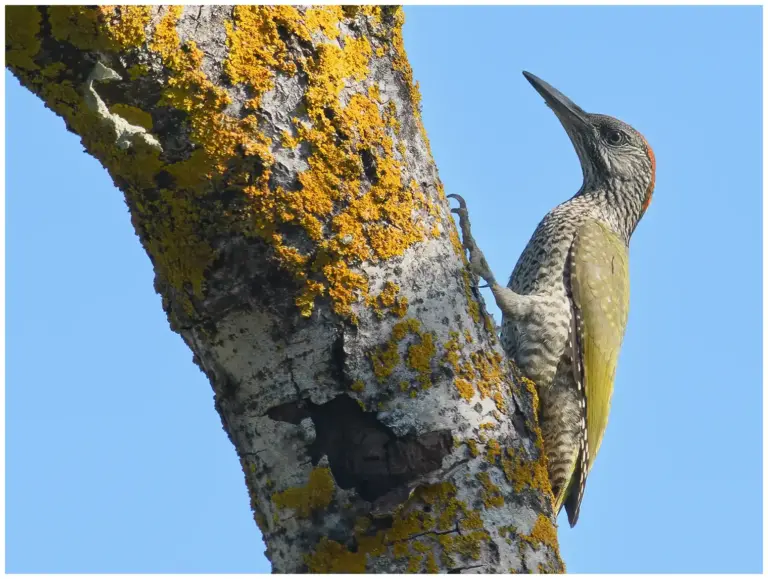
{"type": "Point", "coordinates": [510, 303]}
{"type": "Point", "coordinates": [477, 263]}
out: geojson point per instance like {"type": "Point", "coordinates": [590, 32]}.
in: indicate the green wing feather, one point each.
{"type": "Point", "coordinates": [600, 289]}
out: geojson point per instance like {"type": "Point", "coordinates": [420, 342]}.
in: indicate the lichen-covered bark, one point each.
{"type": "Point", "coordinates": [279, 177]}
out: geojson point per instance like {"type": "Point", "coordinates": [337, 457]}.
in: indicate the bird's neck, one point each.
{"type": "Point", "coordinates": [618, 204]}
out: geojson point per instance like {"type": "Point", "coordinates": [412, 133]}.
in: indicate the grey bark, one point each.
{"type": "Point", "coordinates": [347, 470]}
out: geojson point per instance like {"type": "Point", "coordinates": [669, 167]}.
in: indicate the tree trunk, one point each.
{"type": "Point", "coordinates": [279, 177]}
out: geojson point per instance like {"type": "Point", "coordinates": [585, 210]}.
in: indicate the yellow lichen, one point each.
{"type": "Point", "coordinates": [491, 494]}
{"type": "Point", "coordinates": [531, 387]}
{"type": "Point", "coordinates": [256, 50]}
{"type": "Point", "coordinates": [466, 545]}
{"type": "Point", "coordinates": [431, 565]}
{"type": "Point", "coordinates": [330, 556]}
{"type": "Point", "coordinates": [333, 557]}
{"type": "Point", "coordinates": [471, 520]}
{"type": "Point", "coordinates": [316, 495]}
{"type": "Point", "coordinates": [493, 450]}
{"type": "Point", "coordinates": [126, 25]}
{"type": "Point", "coordinates": [306, 299]}
{"type": "Point", "coordinates": [483, 373]}
{"type": "Point", "coordinates": [325, 20]}
{"type": "Point", "coordinates": [420, 354]}
{"type": "Point", "coordinates": [522, 473]}
{"type": "Point", "coordinates": [385, 359]}
{"type": "Point", "coordinates": [453, 235]}
{"type": "Point", "coordinates": [420, 358]}
{"type": "Point", "coordinates": [544, 533]}
{"type": "Point", "coordinates": [474, 308]}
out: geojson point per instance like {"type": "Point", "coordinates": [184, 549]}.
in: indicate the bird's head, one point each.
{"type": "Point", "coordinates": [616, 160]}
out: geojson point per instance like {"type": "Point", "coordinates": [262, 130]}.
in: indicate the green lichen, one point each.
{"type": "Point", "coordinates": [79, 26]}
{"type": "Point", "coordinates": [315, 496]}
{"type": "Point", "coordinates": [22, 26]}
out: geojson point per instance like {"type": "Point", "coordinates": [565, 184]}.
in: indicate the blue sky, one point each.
{"type": "Point", "coordinates": [116, 460]}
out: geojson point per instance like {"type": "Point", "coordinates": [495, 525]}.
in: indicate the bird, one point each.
{"type": "Point", "coordinates": [565, 308]}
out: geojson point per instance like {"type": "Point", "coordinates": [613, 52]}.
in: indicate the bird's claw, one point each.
{"type": "Point", "coordinates": [460, 199]}
{"type": "Point", "coordinates": [477, 263]}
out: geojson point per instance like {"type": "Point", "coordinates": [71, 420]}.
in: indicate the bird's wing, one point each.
{"type": "Point", "coordinates": [600, 290]}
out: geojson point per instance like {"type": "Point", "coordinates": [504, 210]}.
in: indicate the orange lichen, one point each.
{"type": "Point", "coordinates": [370, 223]}
{"type": "Point", "coordinates": [465, 388]}
{"type": "Point", "coordinates": [325, 20]}
{"type": "Point", "coordinates": [388, 299]}
{"type": "Point", "coordinates": [126, 25]}
{"type": "Point", "coordinates": [256, 50]}
{"type": "Point", "coordinates": [352, 211]}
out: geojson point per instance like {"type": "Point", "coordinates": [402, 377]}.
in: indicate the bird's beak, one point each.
{"type": "Point", "coordinates": [566, 110]}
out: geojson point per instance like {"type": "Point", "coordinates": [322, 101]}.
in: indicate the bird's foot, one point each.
{"type": "Point", "coordinates": [477, 262]}
{"type": "Point", "coordinates": [510, 303]}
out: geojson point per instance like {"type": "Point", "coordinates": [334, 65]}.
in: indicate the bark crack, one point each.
{"type": "Point", "coordinates": [417, 535]}
{"type": "Point", "coordinates": [460, 569]}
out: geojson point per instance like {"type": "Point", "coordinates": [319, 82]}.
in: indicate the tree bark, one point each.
{"type": "Point", "coordinates": [280, 179]}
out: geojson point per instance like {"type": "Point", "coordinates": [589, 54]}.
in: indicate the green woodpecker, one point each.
{"type": "Point", "coordinates": [565, 307]}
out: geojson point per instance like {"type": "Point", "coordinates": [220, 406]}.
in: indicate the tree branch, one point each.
{"type": "Point", "coordinates": [280, 179]}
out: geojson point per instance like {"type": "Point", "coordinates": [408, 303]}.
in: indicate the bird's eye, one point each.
{"type": "Point", "coordinates": [614, 137]}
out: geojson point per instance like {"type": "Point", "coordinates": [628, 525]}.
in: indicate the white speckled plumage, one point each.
{"type": "Point", "coordinates": [568, 265]}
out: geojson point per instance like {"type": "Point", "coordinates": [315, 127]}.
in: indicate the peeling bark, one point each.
{"type": "Point", "coordinates": [279, 177]}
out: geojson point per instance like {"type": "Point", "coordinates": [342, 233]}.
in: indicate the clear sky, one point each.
{"type": "Point", "coordinates": [116, 460]}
